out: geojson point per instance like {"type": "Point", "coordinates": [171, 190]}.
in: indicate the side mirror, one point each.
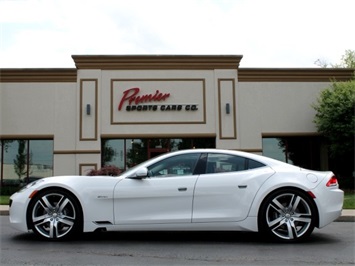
{"type": "Point", "coordinates": [140, 173]}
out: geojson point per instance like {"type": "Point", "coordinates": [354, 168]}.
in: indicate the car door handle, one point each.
{"type": "Point", "coordinates": [242, 186]}
{"type": "Point", "coordinates": [182, 188]}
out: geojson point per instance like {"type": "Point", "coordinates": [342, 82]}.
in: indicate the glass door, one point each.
{"type": "Point", "coordinates": [157, 147]}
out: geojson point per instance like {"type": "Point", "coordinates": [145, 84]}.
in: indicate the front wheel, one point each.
{"type": "Point", "coordinates": [55, 215]}
{"type": "Point", "coordinates": [287, 215]}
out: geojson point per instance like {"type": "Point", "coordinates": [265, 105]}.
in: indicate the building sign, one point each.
{"type": "Point", "coordinates": [158, 101]}
{"type": "Point", "coordinates": [136, 101]}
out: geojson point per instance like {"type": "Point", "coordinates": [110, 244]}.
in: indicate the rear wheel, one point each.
{"type": "Point", "coordinates": [287, 215]}
{"type": "Point", "coordinates": [54, 214]}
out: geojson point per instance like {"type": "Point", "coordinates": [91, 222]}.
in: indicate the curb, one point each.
{"type": "Point", "coordinates": [345, 219]}
{"type": "Point", "coordinates": [3, 213]}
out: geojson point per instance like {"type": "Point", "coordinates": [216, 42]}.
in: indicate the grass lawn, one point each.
{"type": "Point", "coordinates": [349, 200]}
{"type": "Point", "coordinates": [4, 200]}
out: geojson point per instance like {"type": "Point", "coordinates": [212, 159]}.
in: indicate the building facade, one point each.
{"type": "Point", "coordinates": [120, 110]}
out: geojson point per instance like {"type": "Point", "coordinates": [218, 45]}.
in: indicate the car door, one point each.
{"type": "Point", "coordinates": [165, 196]}
{"type": "Point", "coordinates": [226, 191]}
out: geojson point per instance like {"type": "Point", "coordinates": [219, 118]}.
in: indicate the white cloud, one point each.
{"type": "Point", "coordinates": [274, 33]}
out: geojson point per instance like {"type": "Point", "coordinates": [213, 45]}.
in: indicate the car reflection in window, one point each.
{"type": "Point", "coordinates": [175, 166]}
{"type": "Point", "coordinates": [221, 163]}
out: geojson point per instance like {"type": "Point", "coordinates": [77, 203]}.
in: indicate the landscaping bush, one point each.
{"type": "Point", "coordinates": [9, 186]}
{"type": "Point", "coordinates": [108, 170]}
{"type": "Point", "coordinates": [346, 183]}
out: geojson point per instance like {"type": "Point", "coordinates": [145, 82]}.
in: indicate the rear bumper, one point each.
{"type": "Point", "coordinates": [330, 205]}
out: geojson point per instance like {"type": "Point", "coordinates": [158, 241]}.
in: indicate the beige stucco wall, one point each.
{"type": "Point", "coordinates": [41, 110]}
{"type": "Point", "coordinates": [275, 108]}
{"type": "Point", "coordinates": [58, 109]}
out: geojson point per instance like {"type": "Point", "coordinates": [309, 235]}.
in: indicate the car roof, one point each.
{"type": "Point", "coordinates": [263, 159]}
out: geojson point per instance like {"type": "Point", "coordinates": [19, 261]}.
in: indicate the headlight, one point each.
{"type": "Point", "coordinates": [31, 184]}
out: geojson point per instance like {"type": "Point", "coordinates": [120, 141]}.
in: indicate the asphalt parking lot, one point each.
{"type": "Point", "coordinates": [331, 245]}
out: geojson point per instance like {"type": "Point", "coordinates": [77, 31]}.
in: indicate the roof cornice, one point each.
{"type": "Point", "coordinates": [146, 62]}
{"type": "Point", "coordinates": [38, 75]}
{"type": "Point", "coordinates": [294, 74]}
{"type": "Point", "coordinates": [244, 74]}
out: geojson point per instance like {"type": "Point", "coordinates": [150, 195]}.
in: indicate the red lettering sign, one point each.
{"type": "Point", "coordinates": [131, 96]}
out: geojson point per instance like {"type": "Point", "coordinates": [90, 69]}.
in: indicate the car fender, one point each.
{"type": "Point", "coordinates": [95, 195]}
{"type": "Point", "coordinates": [280, 180]}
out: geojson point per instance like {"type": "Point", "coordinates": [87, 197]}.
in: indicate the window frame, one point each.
{"type": "Point", "coordinates": [171, 165]}
{"type": "Point", "coordinates": [246, 163]}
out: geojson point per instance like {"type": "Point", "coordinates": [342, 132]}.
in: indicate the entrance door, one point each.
{"type": "Point", "coordinates": [157, 147]}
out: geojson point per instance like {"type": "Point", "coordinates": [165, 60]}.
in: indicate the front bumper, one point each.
{"type": "Point", "coordinates": [18, 210]}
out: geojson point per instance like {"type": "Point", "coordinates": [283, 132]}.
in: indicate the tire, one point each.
{"type": "Point", "coordinates": [287, 215]}
{"type": "Point", "coordinates": [54, 215]}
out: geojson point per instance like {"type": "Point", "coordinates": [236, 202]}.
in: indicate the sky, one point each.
{"type": "Point", "coordinates": [268, 33]}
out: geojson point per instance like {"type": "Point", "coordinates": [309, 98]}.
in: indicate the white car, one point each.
{"type": "Point", "coordinates": [196, 190]}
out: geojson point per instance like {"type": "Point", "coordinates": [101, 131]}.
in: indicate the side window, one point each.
{"type": "Point", "coordinates": [219, 163]}
{"type": "Point", "coordinates": [179, 165]}
{"type": "Point", "coordinates": [254, 164]}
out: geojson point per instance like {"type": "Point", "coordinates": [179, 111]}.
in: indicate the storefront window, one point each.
{"type": "Point", "coordinates": [136, 152]}
{"type": "Point", "coordinates": [113, 151]}
{"type": "Point", "coordinates": [176, 144]}
{"type": "Point", "coordinates": [272, 149]}
{"type": "Point", "coordinates": [23, 160]}
{"type": "Point", "coordinates": [15, 160]}
{"type": "Point", "coordinates": [301, 151]}
{"type": "Point", "coordinates": [41, 158]}
{"type": "Point", "coordinates": [126, 153]}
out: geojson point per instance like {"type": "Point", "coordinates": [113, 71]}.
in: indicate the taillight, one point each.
{"type": "Point", "coordinates": [333, 181]}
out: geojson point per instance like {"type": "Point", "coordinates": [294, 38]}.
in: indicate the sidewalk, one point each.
{"type": "Point", "coordinates": [346, 216]}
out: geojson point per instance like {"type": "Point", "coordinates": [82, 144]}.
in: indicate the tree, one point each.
{"type": "Point", "coordinates": [20, 163]}
{"type": "Point", "coordinates": [335, 110]}
{"type": "Point", "coordinates": [347, 61]}
{"type": "Point", "coordinates": [5, 143]}
{"type": "Point", "coordinates": [335, 117]}
{"type": "Point", "coordinates": [108, 153]}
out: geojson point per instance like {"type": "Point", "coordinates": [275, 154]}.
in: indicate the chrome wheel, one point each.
{"type": "Point", "coordinates": [54, 215]}
{"type": "Point", "coordinates": [288, 215]}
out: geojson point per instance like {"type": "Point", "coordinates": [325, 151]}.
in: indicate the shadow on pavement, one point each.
{"type": "Point", "coordinates": [178, 238]}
